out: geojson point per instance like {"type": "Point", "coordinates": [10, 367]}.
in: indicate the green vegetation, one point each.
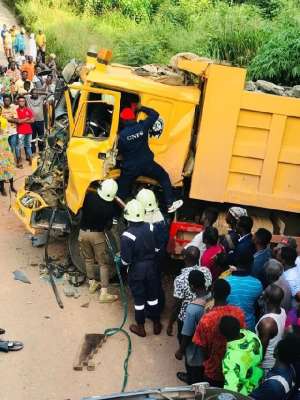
{"type": "Point", "coordinates": [260, 34]}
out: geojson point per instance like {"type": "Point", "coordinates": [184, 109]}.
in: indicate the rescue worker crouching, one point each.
{"type": "Point", "coordinates": [138, 255]}
{"type": "Point", "coordinates": [138, 159]}
{"type": "Point", "coordinates": [97, 214]}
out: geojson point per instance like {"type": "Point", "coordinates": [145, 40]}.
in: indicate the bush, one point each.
{"type": "Point", "coordinates": [233, 34]}
{"type": "Point", "coordinates": [279, 59]}
{"type": "Point", "coordinates": [151, 31]}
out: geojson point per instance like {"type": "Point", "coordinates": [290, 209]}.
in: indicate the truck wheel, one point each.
{"type": "Point", "coordinates": [74, 251]}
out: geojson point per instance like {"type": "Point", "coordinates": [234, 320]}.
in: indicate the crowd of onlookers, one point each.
{"type": "Point", "coordinates": [27, 82]}
{"type": "Point", "coordinates": [237, 309]}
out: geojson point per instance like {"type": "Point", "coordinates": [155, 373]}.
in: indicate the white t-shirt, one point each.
{"type": "Point", "coordinates": [292, 276]}
{"type": "Point", "coordinates": [197, 241]}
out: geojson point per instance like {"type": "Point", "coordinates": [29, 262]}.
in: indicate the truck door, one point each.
{"type": "Point", "coordinates": [92, 147]}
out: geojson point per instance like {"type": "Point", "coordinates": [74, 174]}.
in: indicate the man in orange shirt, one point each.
{"type": "Point", "coordinates": [29, 68]}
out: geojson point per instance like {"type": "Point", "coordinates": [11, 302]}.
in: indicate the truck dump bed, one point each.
{"type": "Point", "coordinates": [248, 144]}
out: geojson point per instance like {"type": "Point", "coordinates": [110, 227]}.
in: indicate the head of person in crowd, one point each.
{"type": "Point", "coordinates": [285, 242]}
{"type": "Point", "coordinates": [262, 238]}
{"type": "Point", "coordinates": [197, 283]}
{"type": "Point", "coordinates": [210, 236]}
{"type": "Point", "coordinates": [9, 61]}
{"type": "Point", "coordinates": [22, 53]}
{"type": "Point", "coordinates": [37, 69]}
{"type": "Point", "coordinates": [49, 80]}
{"type": "Point", "coordinates": [30, 60]}
{"type": "Point", "coordinates": [40, 32]}
{"type": "Point", "coordinates": [245, 261]}
{"type": "Point", "coordinates": [27, 86]}
{"type": "Point", "coordinates": [24, 76]}
{"type": "Point", "coordinates": [13, 66]}
{"type": "Point", "coordinates": [233, 214]}
{"type": "Point", "coordinates": [287, 256]}
{"type": "Point", "coordinates": [191, 256]}
{"type": "Point", "coordinates": [21, 102]}
{"type": "Point", "coordinates": [209, 216]}
{"type": "Point", "coordinates": [273, 270]}
{"type": "Point", "coordinates": [34, 94]}
{"type": "Point", "coordinates": [38, 61]}
{"type": "Point", "coordinates": [244, 225]}
{"type": "Point", "coordinates": [1, 70]}
{"type": "Point", "coordinates": [273, 296]}
{"type": "Point", "coordinates": [230, 328]}
{"type": "Point", "coordinates": [220, 291]}
{"type": "Point", "coordinates": [287, 351]}
{"type": "Point", "coordinates": [221, 261]}
{"type": "Point", "coordinates": [7, 101]}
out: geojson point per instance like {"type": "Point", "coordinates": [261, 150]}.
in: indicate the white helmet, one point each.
{"type": "Point", "coordinates": [134, 211]}
{"type": "Point", "coordinates": [108, 189]}
{"type": "Point", "coordinates": [147, 198]}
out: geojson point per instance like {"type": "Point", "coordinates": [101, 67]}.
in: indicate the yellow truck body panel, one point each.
{"type": "Point", "coordinates": [248, 146]}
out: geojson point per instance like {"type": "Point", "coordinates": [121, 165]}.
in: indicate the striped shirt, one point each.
{"type": "Point", "coordinates": [245, 290]}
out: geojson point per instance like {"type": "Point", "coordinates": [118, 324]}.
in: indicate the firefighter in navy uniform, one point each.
{"type": "Point", "coordinates": [138, 159]}
{"type": "Point", "coordinates": [138, 255]}
{"type": "Point", "coordinates": [154, 216]}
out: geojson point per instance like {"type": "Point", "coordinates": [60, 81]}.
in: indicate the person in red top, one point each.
{"type": "Point", "coordinates": [210, 239]}
{"type": "Point", "coordinates": [24, 129]}
{"type": "Point", "coordinates": [208, 336]}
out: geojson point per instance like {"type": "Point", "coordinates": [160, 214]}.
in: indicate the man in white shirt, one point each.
{"type": "Point", "coordinates": [288, 256]}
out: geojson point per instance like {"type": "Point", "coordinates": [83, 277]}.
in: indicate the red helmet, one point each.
{"type": "Point", "coordinates": [127, 114]}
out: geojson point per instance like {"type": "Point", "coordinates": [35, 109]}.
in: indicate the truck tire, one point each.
{"type": "Point", "coordinates": [74, 251]}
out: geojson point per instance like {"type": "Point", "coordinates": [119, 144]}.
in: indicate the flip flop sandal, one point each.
{"type": "Point", "coordinates": [9, 345]}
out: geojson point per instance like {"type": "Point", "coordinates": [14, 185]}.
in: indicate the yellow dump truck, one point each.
{"type": "Point", "coordinates": [219, 144]}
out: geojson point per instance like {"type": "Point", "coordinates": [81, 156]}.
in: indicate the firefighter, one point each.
{"type": "Point", "coordinates": [154, 216]}
{"type": "Point", "coordinates": [138, 255]}
{"type": "Point", "coordinates": [138, 159]}
{"type": "Point", "coordinates": [97, 215]}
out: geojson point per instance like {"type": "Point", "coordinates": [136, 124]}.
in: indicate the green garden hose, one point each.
{"type": "Point", "coordinates": [112, 331]}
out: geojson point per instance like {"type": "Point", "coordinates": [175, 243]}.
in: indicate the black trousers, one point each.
{"type": "Point", "coordinates": [144, 285]}
{"type": "Point", "coordinates": [150, 170]}
{"type": "Point", "coordinates": [38, 133]}
{"type": "Point", "coordinates": [42, 54]}
{"type": "Point", "coordinates": [195, 374]}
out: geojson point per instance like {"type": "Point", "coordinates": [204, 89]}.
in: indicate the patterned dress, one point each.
{"type": "Point", "coordinates": [7, 163]}
{"type": "Point", "coordinates": [241, 363]}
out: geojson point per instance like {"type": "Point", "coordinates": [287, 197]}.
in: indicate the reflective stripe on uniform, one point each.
{"type": "Point", "coordinates": [156, 250]}
{"type": "Point", "coordinates": [152, 302]}
{"type": "Point", "coordinates": [129, 235]}
{"type": "Point", "coordinates": [139, 308]}
{"type": "Point", "coordinates": [282, 381]}
{"type": "Point", "coordinates": [124, 262]}
{"type": "Point", "coordinates": [151, 227]}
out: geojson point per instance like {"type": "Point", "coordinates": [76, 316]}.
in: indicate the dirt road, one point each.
{"type": "Point", "coordinates": [43, 369]}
